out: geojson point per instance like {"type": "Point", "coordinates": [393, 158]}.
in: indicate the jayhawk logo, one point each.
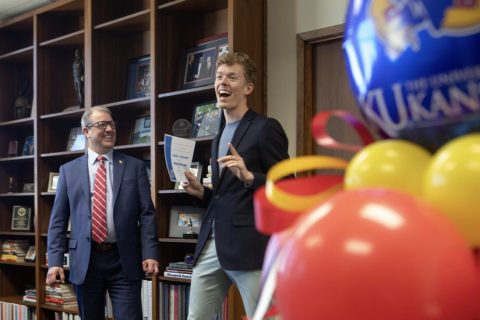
{"type": "Point", "coordinates": [398, 22]}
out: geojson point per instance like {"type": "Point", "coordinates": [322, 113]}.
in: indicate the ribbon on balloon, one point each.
{"type": "Point", "coordinates": [280, 202]}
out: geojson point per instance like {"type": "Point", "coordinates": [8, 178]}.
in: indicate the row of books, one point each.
{"type": "Point", "coordinates": [12, 311]}
{"type": "Point", "coordinates": [174, 299]}
{"type": "Point", "coordinates": [66, 316]}
{"type": "Point", "coordinates": [14, 250]}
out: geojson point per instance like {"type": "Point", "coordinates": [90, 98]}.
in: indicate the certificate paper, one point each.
{"type": "Point", "coordinates": [178, 156]}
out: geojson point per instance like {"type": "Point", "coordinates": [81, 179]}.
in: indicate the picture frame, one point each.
{"type": "Point", "coordinates": [196, 169]}
{"type": "Point", "coordinates": [197, 64]}
{"type": "Point", "coordinates": [30, 256]}
{"type": "Point", "coordinates": [52, 182]}
{"type": "Point", "coordinates": [12, 148]}
{"type": "Point", "coordinates": [21, 218]}
{"type": "Point", "coordinates": [28, 146]}
{"type": "Point", "coordinates": [76, 140]}
{"type": "Point", "coordinates": [179, 218]}
{"type": "Point", "coordinates": [28, 187]}
{"type": "Point", "coordinates": [206, 119]}
{"type": "Point", "coordinates": [142, 130]}
{"type": "Point", "coordinates": [138, 80]}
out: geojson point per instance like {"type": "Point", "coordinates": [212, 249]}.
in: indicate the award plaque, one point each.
{"type": "Point", "coordinates": [21, 218]}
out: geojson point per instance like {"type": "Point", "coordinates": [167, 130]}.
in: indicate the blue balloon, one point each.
{"type": "Point", "coordinates": [414, 66]}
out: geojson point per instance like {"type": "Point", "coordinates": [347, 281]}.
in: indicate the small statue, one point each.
{"type": "Point", "coordinates": [190, 234]}
{"type": "Point", "coordinates": [22, 101]}
{"type": "Point", "coordinates": [78, 76]}
{"type": "Point", "coordinates": [189, 227]}
{"type": "Point", "coordinates": [11, 184]}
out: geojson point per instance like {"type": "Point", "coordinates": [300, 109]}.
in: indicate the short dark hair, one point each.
{"type": "Point", "coordinates": [242, 59]}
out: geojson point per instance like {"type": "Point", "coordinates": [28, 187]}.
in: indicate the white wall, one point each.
{"type": "Point", "coordinates": [287, 18]}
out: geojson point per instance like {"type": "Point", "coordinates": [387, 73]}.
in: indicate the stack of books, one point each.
{"type": "Point", "coordinates": [14, 250]}
{"type": "Point", "coordinates": [30, 296]}
{"type": "Point", "coordinates": [179, 270]}
{"type": "Point", "coordinates": [61, 294]}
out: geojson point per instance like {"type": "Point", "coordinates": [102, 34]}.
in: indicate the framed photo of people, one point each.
{"type": "Point", "coordinates": [138, 83]}
{"type": "Point", "coordinates": [197, 64]}
{"type": "Point", "coordinates": [206, 119]}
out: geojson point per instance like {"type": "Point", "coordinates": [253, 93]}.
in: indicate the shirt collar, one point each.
{"type": "Point", "coordinates": [92, 156]}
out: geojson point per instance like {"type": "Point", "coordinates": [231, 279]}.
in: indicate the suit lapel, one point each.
{"type": "Point", "coordinates": [119, 164]}
{"type": "Point", "coordinates": [213, 161]}
{"type": "Point", "coordinates": [85, 178]}
{"type": "Point", "coordinates": [238, 136]}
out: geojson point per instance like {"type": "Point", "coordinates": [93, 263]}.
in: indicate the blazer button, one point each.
{"type": "Point", "coordinates": [217, 197]}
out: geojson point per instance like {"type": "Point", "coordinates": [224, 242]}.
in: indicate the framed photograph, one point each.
{"type": "Point", "coordinates": [197, 64]}
{"type": "Point", "coordinates": [30, 256]}
{"type": "Point", "coordinates": [52, 182]}
{"type": "Point", "coordinates": [28, 147]}
{"type": "Point", "coordinates": [206, 120]}
{"type": "Point", "coordinates": [21, 218]}
{"type": "Point", "coordinates": [180, 216]}
{"type": "Point", "coordinates": [141, 131]}
{"type": "Point", "coordinates": [138, 83]}
{"type": "Point", "coordinates": [196, 169]}
{"type": "Point", "coordinates": [28, 187]}
{"type": "Point", "coordinates": [12, 148]}
{"type": "Point", "coordinates": [76, 140]}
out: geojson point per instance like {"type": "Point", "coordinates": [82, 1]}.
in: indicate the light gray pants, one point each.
{"type": "Point", "coordinates": [210, 283]}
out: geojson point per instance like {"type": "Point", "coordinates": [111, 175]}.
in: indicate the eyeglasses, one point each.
{"type": "Point", "coordinates": [102, 124]}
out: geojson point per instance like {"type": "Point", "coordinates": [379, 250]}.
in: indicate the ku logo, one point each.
{"type": "Point", "coordinates": [398, 23]}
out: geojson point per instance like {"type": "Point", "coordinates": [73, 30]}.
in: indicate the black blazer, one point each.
{"type": "Point", "coordinates": [261, 142]}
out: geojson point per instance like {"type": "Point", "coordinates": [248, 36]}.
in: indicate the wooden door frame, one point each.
{"type": "Point", "coordinates": [305, 89]}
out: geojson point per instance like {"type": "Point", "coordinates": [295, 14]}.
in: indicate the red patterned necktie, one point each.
{"type": "Point", "coordinates": [99, 208]}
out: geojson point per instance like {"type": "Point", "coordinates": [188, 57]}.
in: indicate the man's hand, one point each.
{"type": "Point", "coordinates": [55, 275]}
{"type": "Point", "coordinates": [193, 186]}
{"type": "Point", "coordinates": [150, 266]}
{"type": "Point", "coordinates": [236, 165]}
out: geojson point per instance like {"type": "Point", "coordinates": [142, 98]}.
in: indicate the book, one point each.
{"type": "Point", "coordinates": [180, 275]}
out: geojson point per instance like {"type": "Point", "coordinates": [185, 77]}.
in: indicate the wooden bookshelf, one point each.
{"type": "Point", "coordinates": [37, 50]}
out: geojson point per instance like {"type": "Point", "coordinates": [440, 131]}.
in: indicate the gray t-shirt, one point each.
{"type": "Point", "coordinates": [225, 138]}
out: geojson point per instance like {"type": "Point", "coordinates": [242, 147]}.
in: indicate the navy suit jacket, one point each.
{"type": "Point", "coordinates": [134, 217]}
{"type": "Point", "coordinates": [261, 142]}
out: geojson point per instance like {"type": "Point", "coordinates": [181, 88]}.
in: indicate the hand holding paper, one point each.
{"type": "Point", "coordinates": [178, 156]}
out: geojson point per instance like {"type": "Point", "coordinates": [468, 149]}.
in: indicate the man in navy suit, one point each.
{"type": "Point", "coordinates": [129, 248]}
{"type": "Point", "coordinates": [230, 249]}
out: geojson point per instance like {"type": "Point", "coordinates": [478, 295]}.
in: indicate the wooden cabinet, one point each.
{"type": "Point", "coordinates": [37, 52]}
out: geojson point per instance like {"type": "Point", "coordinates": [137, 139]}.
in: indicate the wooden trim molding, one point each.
{"type": "Point", "coordinates": [305, 94]}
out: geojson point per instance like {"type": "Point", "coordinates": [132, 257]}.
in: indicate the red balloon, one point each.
{"type": "Point", "coordinates": [376, 254]}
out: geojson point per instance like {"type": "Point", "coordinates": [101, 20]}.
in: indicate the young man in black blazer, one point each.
{"type": "Point", "coordinates": [229, 248]}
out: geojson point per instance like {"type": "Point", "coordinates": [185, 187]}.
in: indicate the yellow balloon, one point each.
{"type": "Point", "coordinates": [452, 184]}
{"type": "Point", "coordinates": [393, 164]}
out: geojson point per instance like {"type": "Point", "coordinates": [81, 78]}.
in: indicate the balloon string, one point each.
{"type": "Point", "coordinates": [321, 136]}
{"type": "Point", "coordinates": [297, 203]}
